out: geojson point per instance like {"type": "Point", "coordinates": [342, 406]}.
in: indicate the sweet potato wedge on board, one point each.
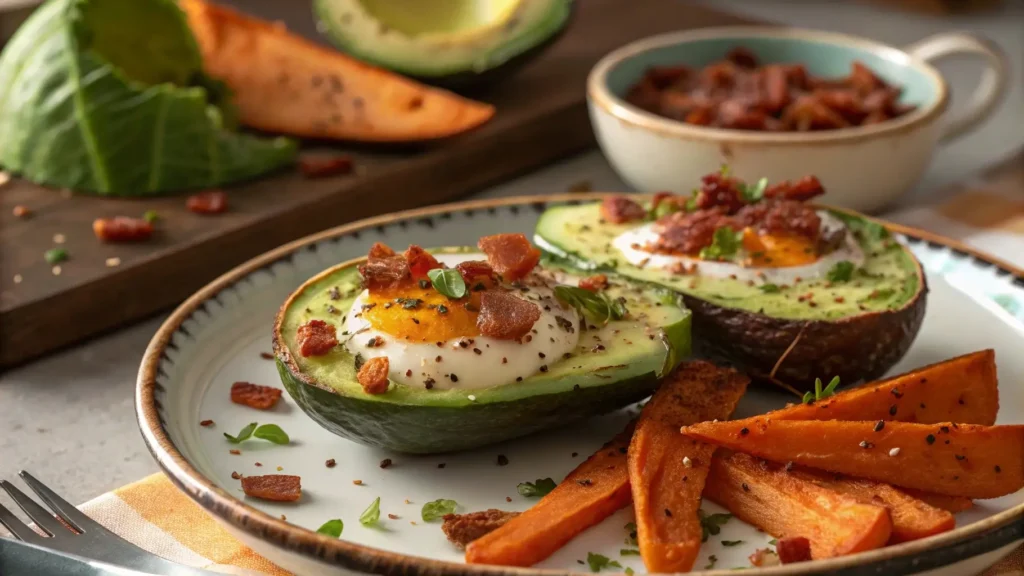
{"type": "Point", "coordinates": [667, 470]}
{"type": "Point", "coordinates": [963, 390]}
{"type": "Point", "coordinates": [952, 504]}
{"type": "Point", "coordinates": [589, 494]}
{"type": "Point", "coordinates": [956, 460]}
{"type": "Point", "coordinates": [286, 84]}
{"type": "Point", "coordinates": [765, 495]}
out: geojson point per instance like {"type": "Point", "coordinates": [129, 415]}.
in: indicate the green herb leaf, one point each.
{"type": "Point", "coordinates": [664, 208]}
{"type": "Point", "coordinates": [55, 255]}
{"type": "Point", "coordinates": [711, 524]}
{"type": "Point", "coordinates": [150, 216]}
{"type": "Point", "coordinates": [711, 562]}
{"type": "Point", "coordinates": [821, 391]}
{"type": "Point", "coordinates": [725, 246]}
{"type": "Point", "coordinates": [594, 305]}
{"type": "Point", "coordinates": [731, 542]}
{"type": "Point", "coordinates": [629, 571]}
{"type": "Point", "coordinates": [536, 489]}
{"type": "Point", "coordinates": [437, 509]}
{"type": "Point", "coordinates": [773, 542]}
{"type": "Point", "coordinates": [597, 562]}
{"type": "Point", "coordinates": [371, 515]}
{"type": "Point", "coordinates": [770, 288]}
{"type": "Point", "coordinates": [243, 435]}
{"type": "Point", "coordinates": [691, 202]}
{"type": "Point", "coordinates": [874, 230]}
{"type": "Point", "coordinates": [724, 170]}
{"type": "Point", "coordinates": [448, 281]}
{"type": "Point", "coordinates": [631, 534]}
{"type": "Point", "coordinates": [755, 193]}
{"type": "Point", "coordinates": [841, 272]}
{"type": "Point", "coordinates": [629, 552]}
{"type": "Point", "coordinates": [272, 433]}
{"type": "Point", "coordinates": [332, 528]}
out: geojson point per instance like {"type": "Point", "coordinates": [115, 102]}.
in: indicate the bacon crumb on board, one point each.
{"type": "Point", "coordinates": [511, 255]}
{"type": "Point", "coordinates": [266, 355]}
{"type": "Point", "coordinates": [461, 529]}
{"type": "Point", "coordinates": [316, 338]}
{"type": "Point", "coordinates": [323, 166]}
{"type": "Point", "coordinates": [420, 261]}
{"type": "Point", "coordinates": [331, 463]}
{"type": "Point", "coordinates": [206, 423]}
{"type": "Point", "coordinates": [254, 395]}
{"type": "Point", "coordinates": [234, 452]}
{"type": "Point", "coordinates": [793, 549]}
{"type": "Point", "coordinates": [619, 210]}
{"type": "Point", "coordinates": [122, 229]}
{"type": "Point", "coordinates": [276, 487]}
{"type": "Point", "coordinates": [207, 202]}
{"type": "Point", "coordinates": [594, 283]}
{"type": "Point", "coordinates": [236, 475]}
{"type": "Point", "coordinates": [506, 317]}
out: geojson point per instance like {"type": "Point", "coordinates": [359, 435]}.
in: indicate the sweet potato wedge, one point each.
{"type": "Point", "coordinates": [765, 495]}
{"type": "Point", "coordinates": [912, 519]}
{"type": "Point", "coordinates": [952, 504]}
{"type": "Point", "coordinates": [963, 389]}
{"type": "Point", "coordinates": [589, 494]}
{"type": "Point", "coordinates": [667, 470]}
{"type": "Point", "coordinates": [287, 84]}
{"type": "Point", "coordinates": [956, 460]}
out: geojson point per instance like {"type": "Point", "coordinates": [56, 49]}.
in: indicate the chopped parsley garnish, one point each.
{"type": "Point", "coordinates": [332, 528]}
{"type": "Point", "coordinates": [711, 524]}
{"type": "Point", "coordinates": [409, 303]}
{"type": "Point", "coordinates": [754, 193]}
{"type": "Point", "coordinates": [629, 552]}
{"type": "Point", "coordinates": [842, 271]}
{"type": "Point", "coordinates": [628, 571]}
{"type": "Point", "coordinates": [448, 281]}
{"type": "Point", "coordinates": [597, 562]}
{"type": "Point", "coordinates": [436, 510]}
{"type": "Point", "coordinates": [631, 534]}
{"type": "Point", "coordinates": [773, 542]}
{"type": "Point", "coordinates": [725, 245]}
{"type": "Point", "coordinates": [272, 433]}
{"type": "Point", "coordinates": [691, 202]}
{"type": "Point", "coordinates": [664, 208]}
{"type": "Point", "coordinates": [731, 542]}
{"type": "Point", "coordinates": [371, 515]}
{"type": "Point", "coordinates": [245, 434]}
{"type": "Point", "coordinates": [442, 309]}
{"type": "Point", "coordinates": [55, 255]}
{"type": "Point", "coordinates": [770, 288]}
{"type": "Point", "coordinates": [820, 393]}
{"type": "Point", "coordinates": [875, 231]}
{"type": "Point", "coordinates": [595, 305]}
{"type": "Point", "coordinates": [150, 216]}
{"type": "Point", "coordinates": [536, 489]}
{"type": "Point", "coordinates": [711, 562]}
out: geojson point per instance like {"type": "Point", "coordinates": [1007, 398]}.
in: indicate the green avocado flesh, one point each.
{"type": "Point", "coordinates": [638, 350]}
{"type": "Point", "coordinates": [438, 38]}
{"type": "Point", "coordinates": [888, 280]}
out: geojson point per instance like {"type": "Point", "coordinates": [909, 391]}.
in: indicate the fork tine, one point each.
{"type": "Point", "coordinates": [16, 527]}
{"type": "Point", "coordinates": [62, 507]}
{"type": "Point", "coordinates": [41, 516]}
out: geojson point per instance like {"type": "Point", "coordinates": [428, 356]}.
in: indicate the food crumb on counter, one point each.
{"type": "Point", "coordinates": [331, 463]}
{"type": "Point", "coordinates": [59, 238]}
{"type": "Point", "coordinates": [56, 270]}
{"type": "Point", "coordinates": [207, 423]}
{"type": "Point", "coordinates": [113, 262]}
{"type": "Point", "coordinates": [393, 516]}
{"type": "Point", "coordinates": [279, 468]}
{"type": "Point", "coordinates": [17, 278]}
{"type": "Point", "coordinates": [259, 464]}
{"type": "Point", "coordinates": [357, 482]}
{"type": "Point", "coordinates": [21, 211]}
{"type": "Point", "coordinates": [236, 476]}
{"type": "Point", "coordinates": [385, 463]}
{"type": "Point", "coordinates": [234, 452]}
{"type": "Point", "coordinates": [266, 355]}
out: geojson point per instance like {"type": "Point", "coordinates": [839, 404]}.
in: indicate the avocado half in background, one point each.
{"type": "Point", "coordinates": [611, 365]}
{"type": "Point", "coordinates": [450, 43]}
{"type": "Point", "coordinates": [857, 329]}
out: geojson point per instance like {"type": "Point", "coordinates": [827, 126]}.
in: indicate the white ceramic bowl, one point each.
{"type": "Point", "coordinates": [863, 168]}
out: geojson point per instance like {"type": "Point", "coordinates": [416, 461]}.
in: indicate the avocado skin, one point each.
{"type": "Point", "coordinates": [856, 348]}
{"type": "Point", "coordinates": [433, 430]}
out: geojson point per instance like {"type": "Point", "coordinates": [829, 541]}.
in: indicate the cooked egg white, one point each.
{"type": "Point", "coordinates": [763, 269]}
{"type": "Point", "coordinates": [446, 350]}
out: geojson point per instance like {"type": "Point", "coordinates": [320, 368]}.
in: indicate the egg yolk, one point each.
{"type": "Point", "coordinates": [422, 314]}
{"type": "Point", "coordinates": [771, 251]}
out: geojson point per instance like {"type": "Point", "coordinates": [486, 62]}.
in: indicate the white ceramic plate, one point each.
{"type": "Point", "coordinates": [215, 338]}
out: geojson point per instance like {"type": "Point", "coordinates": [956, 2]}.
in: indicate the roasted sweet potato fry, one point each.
{"type": "Point", "coordinates": [589, 494]}
{"type": "Point", "coordinates": [667, 470]}
{"type": "Point", "coordinates": [285, 83]}
{"type": "Point", "coordinates": [765, 495]}
{"type": "Point", "coordinates": [952, 504]}
{"type": "Point", "coordinates": [956, 460]}
{"type": "Point", "coordinates": [963, 390]}
{"type": "Point", "coordinates": [912, 519]}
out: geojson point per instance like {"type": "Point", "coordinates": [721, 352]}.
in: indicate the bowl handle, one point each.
{"type": "Point", "coordinates": [990, 90]}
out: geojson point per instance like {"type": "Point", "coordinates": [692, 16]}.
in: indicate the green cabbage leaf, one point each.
{"type": "Point", "coordinates": [109, 97]}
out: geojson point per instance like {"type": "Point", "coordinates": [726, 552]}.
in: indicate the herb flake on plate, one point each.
{"type": "Point", "coordinates": [243, 435]}
{"type": "Point", "coordinates": [711, 524]}
{"type": "Point", "coordinates": [594, 305]}
{"type": "Point", "coordinates": [371, 515]}
{"type": "Point", "coordinates": [597, 562]}
{"type": "Point", "coordinates": [448, 281]}
{"type": "Point", "coordinates": [272, 433]}
{"type": "Point", "coordinates": [436, 510]}
{"type": "Point", "coordinates": [332, 528]}
{"type": "Point", "coordinates": [536, 489]}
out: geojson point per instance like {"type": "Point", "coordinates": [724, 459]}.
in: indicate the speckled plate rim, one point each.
{"type": "Point", "coordinates": [959, 544]}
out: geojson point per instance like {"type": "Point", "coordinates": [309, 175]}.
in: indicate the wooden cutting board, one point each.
{"type": "Point", "coordinates": [541, 117]}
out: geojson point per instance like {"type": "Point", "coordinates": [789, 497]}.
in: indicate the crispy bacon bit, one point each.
{"type": "Point", "coordinates": [316, 338]}
{"type": "Point", "coordinates": [331, 463]}
{"type": "Point", "coordinates": [323, 166]}
{"type": "Point", "coordinates": [254, 395]}
{"type": "Point", "coordinates": [506, 317]}
{"type": "Point", "coordinates": [688, 232]}
{"type": "Point", "coordinates": [461, 529]}
{"type": "Point", "coordinates": [742, 57]}
{"type": "Point", "coordinates": [802, 190]}
{"type": "Point", "coordinates": [619, 209]}
{"type": "Point", "coordinates": [511, 255]}
{"type": "Point", "coordinates": [793, 549]}
{"type": "Point", "coordinates": [206, 423]}
{"type": "Point", "coordinates": [476, 271]}
{"type": "Point", "coordinates": [122, 229]}
{"type": "Point", "coordinates": [781, 216]}
{"type": "Point", "coordinates": [383, 273]}
{"type": "Point", "coordinates": [420, 261]}
{"type": "Point", "coordinates": [763, 557]}
{"type": "Point", "coordinates": [276, 487]}
{"type": "Point", "coordinates": [21, 211]}
{"type": "Point", "coordinates": [719, 191]}
{"type": "Point", "coordinates": [236, 476]}
{"type": "Point", "coordinates": [594, 283]}
{"type": "Point", "coordinates": [379, 250]}
{"type": "Point", "coordinates": [373, 375]}
{"type": "Point", "coordinates": [207, 202]}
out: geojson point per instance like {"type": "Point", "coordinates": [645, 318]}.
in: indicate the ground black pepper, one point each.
{"type": "Point", "coordinates": [892, 410]}
{"type": "Point", "coordinates": [744, 431]}
{"type": "Point", "coordinates": [879, 425]}
{"type": "Point", "coordinates": [929, 439]}
{"type": "Point", "coordinates": [502, 460]}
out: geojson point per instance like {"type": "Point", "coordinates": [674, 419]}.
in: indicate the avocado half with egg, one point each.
{"type": "Point", "coordinates": [851, 313]}
{"type": "Point", "coordinates": [452, 43]}
{"type": "Point", "coordinates": [450, 387]}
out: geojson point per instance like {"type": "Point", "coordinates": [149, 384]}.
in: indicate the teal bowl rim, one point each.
{"type": "Point", "coordinates": [602, 97]}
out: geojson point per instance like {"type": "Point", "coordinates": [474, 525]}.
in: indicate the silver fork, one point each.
{"type": "Point", "coordinates": [86, 538]}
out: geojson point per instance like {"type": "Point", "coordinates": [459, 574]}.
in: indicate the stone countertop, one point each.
{"type": "Point", "coordinates": [70, 419]}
